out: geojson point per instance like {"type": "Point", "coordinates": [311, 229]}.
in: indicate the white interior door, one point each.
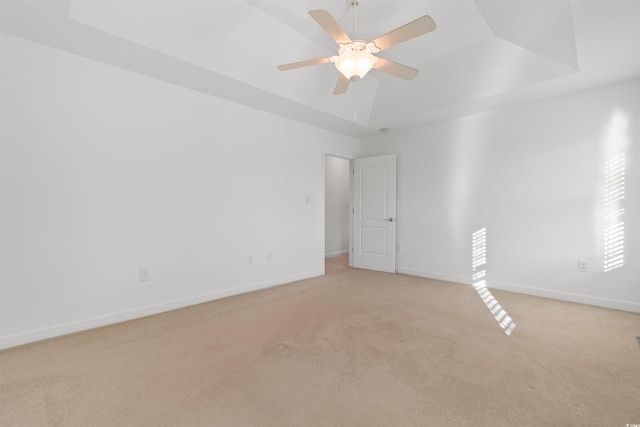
{"type": "Point", "coordinates": [374, 216]}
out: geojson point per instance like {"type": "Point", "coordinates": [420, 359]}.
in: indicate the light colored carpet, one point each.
{"type": "Point", "coordinates": [352, 348]}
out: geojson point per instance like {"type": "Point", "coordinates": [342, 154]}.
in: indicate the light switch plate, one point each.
{"type": "Point", "coordinates": [145, 275]}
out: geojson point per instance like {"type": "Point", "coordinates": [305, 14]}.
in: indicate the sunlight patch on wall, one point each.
{"type": "Point", "coordinates": [478, 263]}
{"type": "Point", "coordinates": [615, 143]}
{"type": "Point", "coordinates": [614, 213]}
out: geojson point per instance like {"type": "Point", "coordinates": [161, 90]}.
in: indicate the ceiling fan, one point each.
{"type": "Point", "coordinates": [355, 57]}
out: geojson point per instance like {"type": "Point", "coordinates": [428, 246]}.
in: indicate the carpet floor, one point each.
{"type": "Point", "coordinates": [351, 348]}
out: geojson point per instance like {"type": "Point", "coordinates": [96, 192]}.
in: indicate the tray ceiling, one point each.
{"type": "Point", "coordinates": [484, 54]}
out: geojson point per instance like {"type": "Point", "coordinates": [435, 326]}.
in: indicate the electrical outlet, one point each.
{"type": "Point", "coordinates": [249, 259]}
{"type": "Point", "coordinates": [583, 266]}
{"type": "Point", "coordinates": [398, 248]}
{"type": "Point", "coordinates": [269, 257]}
{"type": "Point", "coordinates": [145, 275]}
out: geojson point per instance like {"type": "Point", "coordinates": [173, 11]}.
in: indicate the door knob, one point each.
{"type": "Point", "coordinates": [390, 219]}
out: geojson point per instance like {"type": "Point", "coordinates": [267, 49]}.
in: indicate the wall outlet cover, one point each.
{"type": "Point", "coordinates": [583, 266]}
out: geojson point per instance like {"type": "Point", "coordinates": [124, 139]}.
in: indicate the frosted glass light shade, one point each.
{"type": "Point", "coordinates": [355, 63]}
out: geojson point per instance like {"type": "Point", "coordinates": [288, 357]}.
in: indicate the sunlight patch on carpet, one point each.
{"type": "Point", "coordinates": [478, 261]}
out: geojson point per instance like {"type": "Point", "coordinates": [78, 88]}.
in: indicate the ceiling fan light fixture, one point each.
{"type": "Point", "coordinates": [355, 63]}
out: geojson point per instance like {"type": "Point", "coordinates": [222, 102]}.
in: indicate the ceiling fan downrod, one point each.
{"type": "Point", "coordinates": [354, 4]}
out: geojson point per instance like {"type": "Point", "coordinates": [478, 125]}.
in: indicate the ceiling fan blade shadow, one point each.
{"type": "Point", "coordinates": [330, 25]}
{"type": "Point", "coordinates": [342, 85]}
{"type": "Point", "coordinates": [308, 62]}
{"type": "Point", "coordinates": [408, 31]}
{"type": "Point", "coordinates": [395, 69]}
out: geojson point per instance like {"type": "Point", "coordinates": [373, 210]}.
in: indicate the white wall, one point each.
{"type": "Point", "coordinates": [105, 171]}
{"type": "Point", "coordinates": [534, 177]}
{"type": "Point", "coordinates": [336, 240]}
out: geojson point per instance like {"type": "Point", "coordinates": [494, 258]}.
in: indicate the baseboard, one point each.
{"type": "Point", "coordinates": [568, 296]}
{"type": "Point", "coordinates": [109, 319]}
{"type": "Point", "coordinates": [137, 313]}
{"type": "Point", "coordinates": [434, 275]}
{"type": "Point", "coordinates": [335, 254]}
{"type": "Point", "coordinates": [528, 290]}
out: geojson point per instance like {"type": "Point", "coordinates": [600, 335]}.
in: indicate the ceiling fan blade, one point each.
{"type": "Point", "coordinates": [395, 69]}
{"type": "Point", "coordinates": [408, 31]}
{"type": "Point", "coordinates": [300, 64]}
{"type": "Point", "coordinates": [330, 25]}
{"type": "Point", "coordinates": [342, 85]}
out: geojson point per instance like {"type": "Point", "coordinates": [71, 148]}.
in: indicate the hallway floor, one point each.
{"type": "Point", "coordinates": [337, 263]}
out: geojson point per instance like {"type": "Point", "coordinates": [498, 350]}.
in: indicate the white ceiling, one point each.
{"type": "Point", "coordinates": [484, 54]}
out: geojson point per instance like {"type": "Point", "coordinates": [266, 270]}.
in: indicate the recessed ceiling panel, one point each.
{"type": "Point", "coordinates": [485, 69]}
{"type": "Point", "coordinates": [544, 27]}
{"type": "Point", "coordinates": [237, 40]}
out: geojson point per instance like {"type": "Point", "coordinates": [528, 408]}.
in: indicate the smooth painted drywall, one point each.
{"type": "Point", "coordinates": [105, 172]}
{"type": "Point", "coordinates": [534, 177]}
{"type": "Point", "coordinates": [336, 216]}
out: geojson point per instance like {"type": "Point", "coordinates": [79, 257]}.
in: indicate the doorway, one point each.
{"type": "Point", "coordinates": [337, 203]}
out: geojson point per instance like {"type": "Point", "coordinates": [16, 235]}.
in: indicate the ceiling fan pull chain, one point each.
{"type": "Point", "coordinates": [355, 100]}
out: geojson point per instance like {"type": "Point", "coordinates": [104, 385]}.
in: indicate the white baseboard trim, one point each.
{"type": "Point", "coordinates": [528, 290]}
{"type": "Point", "coordinates": [34, 335]}
{"type": "Point", "coordinates": [434, 275]}
{"type": "Point", "coordinates": [567, 296]}
{"type": "Point", "coordinates": [335, 254]}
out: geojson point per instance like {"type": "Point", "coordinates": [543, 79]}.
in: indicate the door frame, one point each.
{"type": "Point", "coordinates": [351, 159]}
